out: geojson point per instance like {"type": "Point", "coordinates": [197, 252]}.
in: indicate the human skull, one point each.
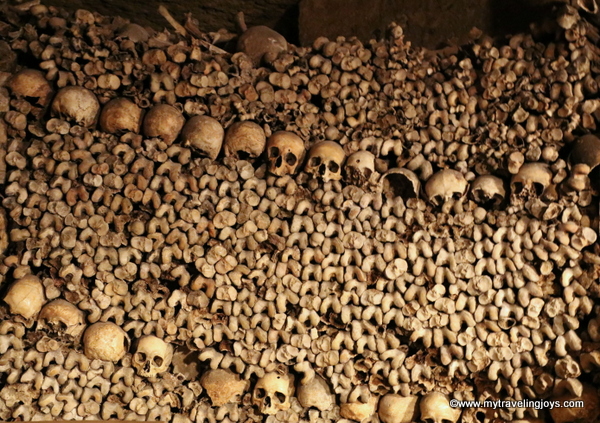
{"type": "Point", "coordinates": [105, 341]}
{"type": "Point", "coordinates": [163, 121]}
{"type": "Point", "coordinates": [26, 296]}
{"type": "Point", "coordinates": [204, 134]}
{"type": "Point", "coordinates": [273, 392]}
{"type": "Point", "coordinates": [222, 386]}
{"type": "Point", "coordinates": [357, 410]}
{"type": "Point", "coordinates": [359, 167]}
{"type": "Point", "coordinates": [120, 115]}
{"type": "Point", "coordinates": [61, 315]}
{"type": "Point", "coordinates": [584, 161]}
{"type": "Point", "coordinates": [325, 160]}
{"type": "Point", "coordinates": [445, 185]}
{"type": "Point", "coordinates": [261, 41]}
{"type": "Point", "coordinates": [315, 393]}
{"type": "Point", "coordinates": [488, 190]}
{"type": "Point", "coordinates": [435, 408]}
{"type": "Point", "coordinates": [152, 356]}
{"type": "Point", "coordinates": [244, 140]}
{"type": "Point", "coordinates": [285, 152]}
{"type": "Point", "coordinates": [397, 409]}
{"type": "Point", "coordinates": [31, 84]}
{"type": "Point", "coordinates": [532, 180]}
{"type": "Point", "coordinates": [76, 104]}
{"type": "Point", "coordinates": [401, 182]}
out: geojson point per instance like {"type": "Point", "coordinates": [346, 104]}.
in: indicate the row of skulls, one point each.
{"type": "Point", "coordinates": [285, 151]}
{"type": "Point", "coordinates": [152, 356]}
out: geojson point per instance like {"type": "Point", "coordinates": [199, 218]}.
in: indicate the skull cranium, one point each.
{"type": "Point", "coordinates": [244, 140]}
{"type": "Point", "coordinates": [325, 160]}
{"type": "Point", "coordinates": [273, 392]}
{"type": "Point", "coordinates": [359, 167]}
{"type": "Point", "coordinates": [152, 356]}
{"type": "Point", "coordinates": [532, 180]}
{"type": "Point", "coordinates": [105, 341]}
{"type": "Point", "coordinates": [315, 393]}
{"type": "Point", "coordinates": [204, 134]}
{"type": "Point", "coordinates": [445, 185]}
{"type": "Point", "coordinates": [285, 152]}
{"type": "Point", "coordinates": [222, 386]}
{"type": "Point", "coordinates": [488, 190]}
{"type": "Point", "coordinates": [401, 182]}
{"type": "Point", "coordinates": [64, 316]}
{"type": "Point", "coordinates": [435, 408]}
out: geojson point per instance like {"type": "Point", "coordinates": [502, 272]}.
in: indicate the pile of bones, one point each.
{"type": "Point", "coordinates": [335, 233]}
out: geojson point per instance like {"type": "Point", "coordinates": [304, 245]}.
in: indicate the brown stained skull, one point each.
{"type": "Point", "coordinates": [261, 42]}
{"type": "Point", "coordinates": [120, 115]}
{"type": "Point", "coordinates": [76, 104]}
{"type": "Point", "coordinates": [30, 84]}
{"type": "Point", "coordinates": [204, 134]}
{"type": "Point", "coordinates": [163, 121]}
{"type": "Point", "coordinates": [325, 161]}
{"type": "Point", "coordinates": [244, 140]}
{"type": "Point", "coordinates": [285, 152]}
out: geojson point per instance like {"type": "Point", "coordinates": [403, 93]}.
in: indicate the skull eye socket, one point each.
{"type": "Point", "coordinates": [456, 195]}
{"type": "Point", "coordinates": [333, 167]}
{"type": "Point", "coordinates": [260, 393]}
{"type": "Point", "coordinates": [140, 356]}
{"type": "Point", "coordinates": [437, 200]}
{"type": "Point", "coordinates": [539, 188]}
{"type": "Point", "coordinates": [315, 161]}
{"type": "Point", "coordinates": [290, 159]}
{"type": "Point", "coordinates": [274, 152]}
{"type": "Point", "coordinates": [158, 361]}
{"type": "Point", "coordinates": [280, 397]}
{"type": "Point", "coordinates": [517, 187]}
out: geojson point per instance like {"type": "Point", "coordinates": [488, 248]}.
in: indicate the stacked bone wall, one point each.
{"type": "Point", "coordinates": [411, 275]}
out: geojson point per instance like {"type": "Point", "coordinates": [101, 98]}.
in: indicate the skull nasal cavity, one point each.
{"type": "Point", "coordinates": [290, 159]}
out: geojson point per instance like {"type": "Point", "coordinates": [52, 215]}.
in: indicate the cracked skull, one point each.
{"type": "Point", "coordinates": [244, 140]}
{"type": "Point", "coordinates": [401, 182]}
{"type": "Point", "coordinates": [325, 160]}
{"type": "Point", "coordinates": [273, 392]}
{"type": "Point", "coordinates": [285, 152]}
{"type": "Point", "coordinates": [532, 180]}
{"type": "Point", "coordinates": [359, 167]}
{"type": "Point", "coordinates": [445, 185]}
{"type": "Point", "coordinates": [488, 190]}
{"type": "Point", "coordinates": [61, 315]}
{"type": "Point", "coordinates": [76, 104]}
{"type": "Point", "coordinates": [152, 356]}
